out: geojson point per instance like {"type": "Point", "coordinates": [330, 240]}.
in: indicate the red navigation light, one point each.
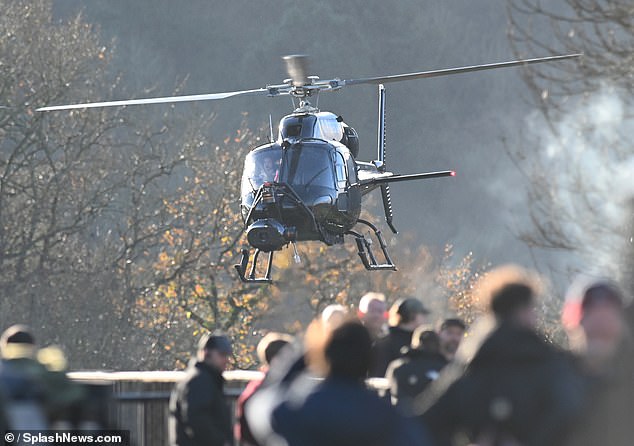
{"type": "Point", "coordinates": [453, 173]}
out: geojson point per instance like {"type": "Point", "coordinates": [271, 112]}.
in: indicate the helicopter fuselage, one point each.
{"type": "Point", "coordinates": [303, 186]}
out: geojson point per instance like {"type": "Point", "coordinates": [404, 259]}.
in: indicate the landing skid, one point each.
{"type": "Point", "coordinates": [364, 244]}
{"type": "Point", "coordinates": [241, 268]}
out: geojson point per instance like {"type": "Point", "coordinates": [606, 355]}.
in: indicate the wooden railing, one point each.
{"type": "Point", "coordinates": [138, 401]}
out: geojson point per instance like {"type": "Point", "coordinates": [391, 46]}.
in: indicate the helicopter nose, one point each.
{"type": "Point", "coordinates": [268, 235]}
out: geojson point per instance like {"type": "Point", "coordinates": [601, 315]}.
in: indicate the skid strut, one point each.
{"type": "Point", "coordinates": [241, 268]}
{"type": "Point", "coordinates": [365, 249]}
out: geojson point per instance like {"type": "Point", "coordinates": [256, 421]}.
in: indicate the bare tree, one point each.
{"type": "Point", "coordinates": [92, 203]}
{"type": "Point", "coordinates": [187, 283]}
{"type": "Point", "coordinates": [52, 168]}
{"type": "Point", "coordinates": [119, 227]}
{"type": "Point", "coordinates": [576, 151]}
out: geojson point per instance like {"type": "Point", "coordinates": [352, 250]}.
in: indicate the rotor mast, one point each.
{"type": "Point", "coordinates": [302, 85]}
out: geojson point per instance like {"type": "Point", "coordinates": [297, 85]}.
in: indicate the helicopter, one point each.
{"type": "Point", "coordinates": [307, 184]}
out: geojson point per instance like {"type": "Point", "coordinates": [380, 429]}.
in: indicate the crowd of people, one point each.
{"type": "Point", "coordinates": [499, 382]}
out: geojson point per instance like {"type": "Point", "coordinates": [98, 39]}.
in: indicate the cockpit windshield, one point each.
{"type": "Point", "coordinates": [307, 166]}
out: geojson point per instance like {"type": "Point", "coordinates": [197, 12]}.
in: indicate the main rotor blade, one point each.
{"type": "Point", "coordinates": [297, 68]}
{"type": "Point", "coordinates": [448, 71]}
{"type": "Point", "coordinates": [161, 100]}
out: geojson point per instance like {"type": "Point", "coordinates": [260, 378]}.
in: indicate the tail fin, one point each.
{"type": "Point", "coordinates": [380, 161]}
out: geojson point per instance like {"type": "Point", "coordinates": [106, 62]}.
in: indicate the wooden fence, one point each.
{"type": "Point", "coordinates": [138, 401]}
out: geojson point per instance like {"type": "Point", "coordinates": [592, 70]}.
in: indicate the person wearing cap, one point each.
{"type": "Point", "coordinates": [517, 389]}
{"type": "Point", "coordinates": [594, 316]}
{"type": "Point", "coordinates": [199, 414]}
{"type": "Point", "coordinates": [405, 316]}
{"type": "Point", "coordinates": [22, 382]}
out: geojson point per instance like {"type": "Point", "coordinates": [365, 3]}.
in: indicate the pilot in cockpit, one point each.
{"type": "Point", "coordinates": [269, 169]}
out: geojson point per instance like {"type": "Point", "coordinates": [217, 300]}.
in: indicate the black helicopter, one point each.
{"type": "Point", "coordinates": [308, 184]}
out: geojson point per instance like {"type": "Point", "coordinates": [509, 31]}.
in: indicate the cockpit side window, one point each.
{"type": "Point", "coordinates": [340, 171]}
{"type": "Point", "coordinates": [352, 168]}
{"type": "Point", "coordinates": [329, 129]}
{"type": "Point", "coordinates": [259, 167]}
{"type": "Point", "coordinates": [297, 126]}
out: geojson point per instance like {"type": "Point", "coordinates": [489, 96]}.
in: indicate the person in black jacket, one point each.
{"type": "Point", "coordinates": [420, 365]}
{"type": "Point", "coordinates": [517, 389]}
{"type": "Point", "coordinates": [199, 414]}
{"type": "Point", "coordinates": [405, 316]}
{"type": "Point", "coordinates": [595, 318]}
{"type": "Point", "coordinates": [341, 410]}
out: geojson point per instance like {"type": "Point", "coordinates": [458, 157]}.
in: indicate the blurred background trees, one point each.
{"type": "Point", "coordinates": [119, 227]}
{"type": "Point", "coordinates": [578, 152]}
{"type": "Point", "coordinates": [60, 175]}
{"type": "Point", "coordinates": [115, 226]}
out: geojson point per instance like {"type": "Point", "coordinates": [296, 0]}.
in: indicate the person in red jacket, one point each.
{"type": "Point", "coordinates": [268, 348]}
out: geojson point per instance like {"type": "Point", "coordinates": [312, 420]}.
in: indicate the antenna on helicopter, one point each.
{"type": "Point", "coordinates": [380, 162]}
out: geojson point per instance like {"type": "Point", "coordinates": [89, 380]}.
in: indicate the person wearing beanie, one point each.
{"type": "Point", "coordinates": [594, 318]}
{"type": "Point", "coordinates": [517, 389]}
{"type": "Point", "coordinates": [23, 380]}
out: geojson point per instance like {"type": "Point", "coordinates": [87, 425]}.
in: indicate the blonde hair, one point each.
{"type": "Point", "coordinates": [364, 303]}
